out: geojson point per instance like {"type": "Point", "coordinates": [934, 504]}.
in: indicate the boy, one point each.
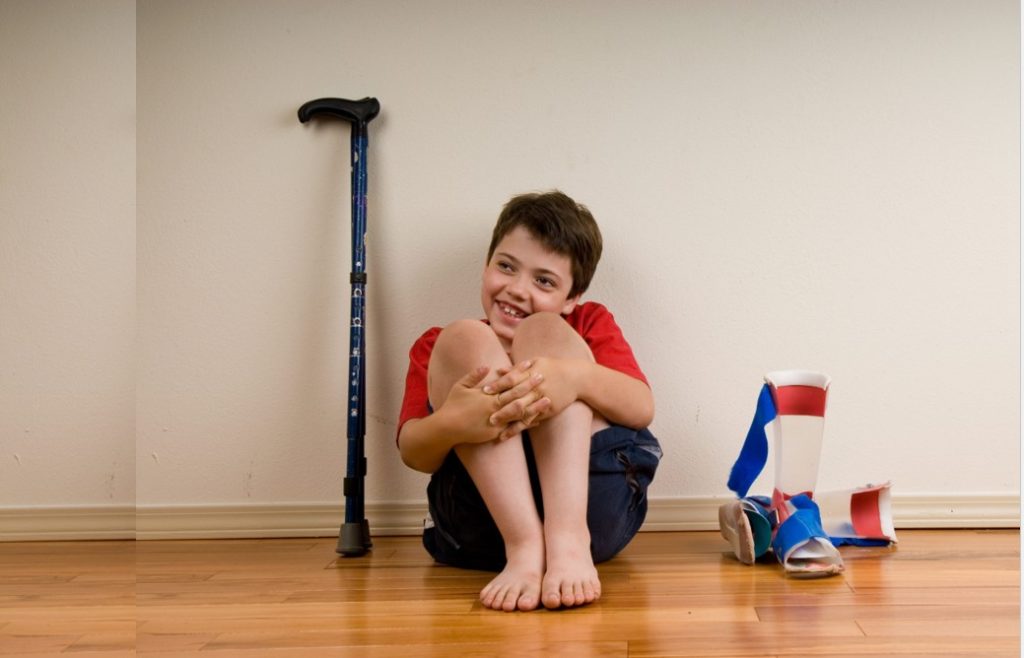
{"type": "Point", "coordinates": [538, 469]}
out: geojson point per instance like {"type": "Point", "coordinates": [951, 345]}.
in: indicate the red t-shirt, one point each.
{"type": "Point", "coordinates": [591, 320]}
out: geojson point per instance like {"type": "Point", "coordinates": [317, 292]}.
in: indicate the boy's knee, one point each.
{"type": "Point", "coordinates": [463, 332]}
{"type": "Point", "coordinates": [543, 327]}
{"type": "Point", "coordinates": [464, 345]}
{"type": "Point", "coordinates": [548, 334]}
{"type": "Point", "coordinates": [461, 347]}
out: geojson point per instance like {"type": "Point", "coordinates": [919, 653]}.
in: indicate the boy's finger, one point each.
{"type": "Point", "coordinates": [499, 385]}
{"type": "Point", "coordinates": [520, 407]}
{"type": "Point", "coordinates": [511, 430]}
{"type": "Point", "coordinates": [534, 411]}
{"type": "Point", "coordinates": [508, 413]}
{"type": "Point", "coordinates": [506, 383]}
{"type": "Point", "coordinates": [539, 407]}
{"type": "Point", "coordinates": [519, 416]}
{"type": "Point", "coordinates": [524, 388]}
{"type": "Point", "coordinates": [514, 411]}
{"type": "Point", "coordinates": [522, 366]}
{"type": "Point", "coordinates": [535, 380]}
{"type": "Point", "coordinates": [474, 377]}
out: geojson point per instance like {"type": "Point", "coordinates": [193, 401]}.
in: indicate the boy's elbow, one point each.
{"type": "Point", "coordinates": [638, 410]}
{"type": "Point", "coordinates": [405, 451]}
{"type": "Point", "coordinates": [639, 415]}
{"type": "Point", "coordinates": [645, 409]}
{"type": "Point", "coordinates": [645, 415]}
{"type": "Point", "coordinates": [416, 463]}
{"type": "Point", "coordinates": [415, 460]}
{"type": "Point", "coordinates": [414, 456]}
{"type": "Point", "coordinates": [407, 459]}
{"type": "Point", "coordinates": [416, 466]}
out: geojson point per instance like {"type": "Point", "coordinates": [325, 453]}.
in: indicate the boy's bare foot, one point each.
{"type": "Point", "coordinates": [571, 579]}
{"type": "Point", "coordinates": [517, 587]}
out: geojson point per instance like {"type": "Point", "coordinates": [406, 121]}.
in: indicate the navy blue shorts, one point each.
{"type": "Point", "coordinates": [622, 465]}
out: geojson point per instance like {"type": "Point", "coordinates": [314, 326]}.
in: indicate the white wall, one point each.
{"type": "Point", "coordinates": [831, 186]}
{"type": "Point", "coordinates": [67, 253]}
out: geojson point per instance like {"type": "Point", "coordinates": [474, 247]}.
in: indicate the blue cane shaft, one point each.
{"type": "Point", "coordinates": [356, 468]}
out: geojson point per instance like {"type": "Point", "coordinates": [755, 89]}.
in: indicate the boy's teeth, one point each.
{"type": "Point", "coordinates": [511, 311]}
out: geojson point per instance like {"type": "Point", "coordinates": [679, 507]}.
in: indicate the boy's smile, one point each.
{"type": "Point", "coordinates": [524, 277]}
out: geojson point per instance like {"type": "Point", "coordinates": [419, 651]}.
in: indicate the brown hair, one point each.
{"type": "Point", "coordinates": [560, 224]}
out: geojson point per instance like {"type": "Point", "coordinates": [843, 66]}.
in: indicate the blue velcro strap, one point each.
{"type": "Point", "coordinates": [803, 524]}
{"type": "Point", "coordinates": [754, 453]}
{"type": "Point", "coordinates": [857, 541]}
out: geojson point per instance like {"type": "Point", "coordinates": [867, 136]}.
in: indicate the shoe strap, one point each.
{"type": "Point", "coordinates": [754, 453]}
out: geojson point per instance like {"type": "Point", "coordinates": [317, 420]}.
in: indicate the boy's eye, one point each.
{"type": "Point", "coordinates": [503, 266]}
{"type": "Point", "coordinates": [545, 282]}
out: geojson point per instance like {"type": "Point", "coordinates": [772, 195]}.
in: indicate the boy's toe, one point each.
{"type": "Point", "coordinates": [552, 600]}
{"type": "Point", "coordinates": [494, 598]}
{"type": "Point", "coordinates": [527, 602]}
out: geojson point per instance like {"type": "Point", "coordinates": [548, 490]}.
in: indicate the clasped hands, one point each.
{"type": "Point", "coordinates": [519, 403]}
{"type": "Point", "coordinates": [523, 396]}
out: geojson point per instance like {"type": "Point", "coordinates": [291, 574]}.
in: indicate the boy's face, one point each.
{"type": "Point", "coordinates": [523, 277]}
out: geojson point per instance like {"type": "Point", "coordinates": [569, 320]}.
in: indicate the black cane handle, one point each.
{"type": "Point", "coordinates": [356, 112]}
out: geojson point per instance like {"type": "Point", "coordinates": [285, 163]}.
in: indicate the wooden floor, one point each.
{"type": "Point", "coordinates": [941, 593]}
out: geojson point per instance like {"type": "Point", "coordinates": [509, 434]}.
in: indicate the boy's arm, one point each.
{"type": "Point", "coordinates": [424, 444]}
{"type": "Point", "coordinates": [462, 418]}
{"type": "Point", "coordinates": [466, 416]}
{"type": "Point", "coordinates": [620, 398]}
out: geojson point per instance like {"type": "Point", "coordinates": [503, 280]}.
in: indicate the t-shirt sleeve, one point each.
{"type": "Point", "coordinates": [597, 326]}
{"type": "Point", "coordinates": [416, 403]}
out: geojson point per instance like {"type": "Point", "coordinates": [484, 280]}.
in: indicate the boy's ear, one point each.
{"type": "Point", "coordinates": [570, 304]}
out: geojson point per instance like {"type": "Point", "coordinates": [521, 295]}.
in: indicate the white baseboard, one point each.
{"type": "Point", "coordinates": [278, 520]}
{"type": "Point", "coordinates": [324, 519]}
{"type": "Point", "coordinates": [67, 523]}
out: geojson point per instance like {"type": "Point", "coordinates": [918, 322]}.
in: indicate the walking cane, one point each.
{"type": "Point", "coordinates": [354, 535]}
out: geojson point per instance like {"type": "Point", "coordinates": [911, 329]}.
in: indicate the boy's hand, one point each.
{"type": "Point", "coordinates": [557, 385]}
{"type": "Point", "coordinates": [468, 409]}
{"type": "Point", "coordinates": [509, 377]}
{"type": "Point", "coordinates": [517, 404]}
{"type": "Point", "coordinates": [476, 415]}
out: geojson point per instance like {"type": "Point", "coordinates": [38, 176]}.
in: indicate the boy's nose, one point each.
{"type": "Point", "coordinates": [517, 287]}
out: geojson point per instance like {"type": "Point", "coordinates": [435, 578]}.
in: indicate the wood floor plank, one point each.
{"type": "Point", "coordinates": [823, 645]}
{"type": "Point", "coordinates": [977, 627]}
{"type": "Point", "coordinates": [68, 626]}
{"type": "Point", "coordinates": [122, 640]}
{"type": "Point", "coordinates": [13, 644]}
{"type": "Point", "coordinates": [978, 596]}
{"type": "Point", "coordinates": [971, 653]}
{"type": "Point", "coordinates": [957, 610]}
{"type": "Point", "coordinates": [524, 649]}
{"type": "Point", "coordinates": [168, 643]}
{"type": "Point", "coordinates": [939, 593]}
